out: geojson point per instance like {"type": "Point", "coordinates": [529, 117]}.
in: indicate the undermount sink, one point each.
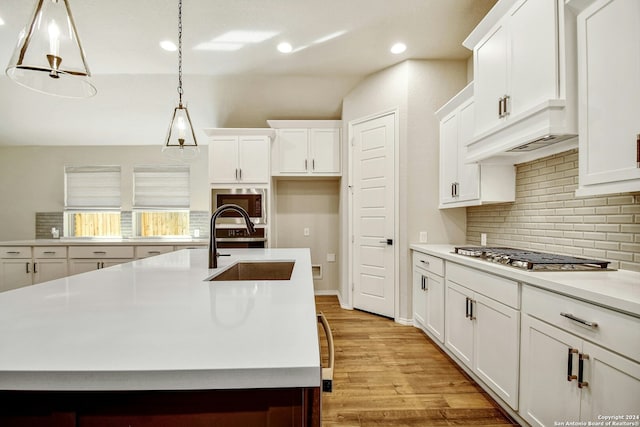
{"type": "Point", "coordinates": [256, 270]}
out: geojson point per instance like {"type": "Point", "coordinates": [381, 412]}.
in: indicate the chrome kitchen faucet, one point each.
{"type": "Point", "coordinates": [213, 247]}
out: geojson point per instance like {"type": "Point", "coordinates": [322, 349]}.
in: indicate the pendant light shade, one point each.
{"type": "Point", "coordinates": [49, 57]}
{"type": "Point", "coordinates": [181, 143]}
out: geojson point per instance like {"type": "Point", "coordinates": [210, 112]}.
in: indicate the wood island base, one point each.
{"type": "Point", "coordinates": [284, 407]}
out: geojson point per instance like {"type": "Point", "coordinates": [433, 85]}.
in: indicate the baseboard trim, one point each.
{"type": "Point", "coordinates": [337, 294]}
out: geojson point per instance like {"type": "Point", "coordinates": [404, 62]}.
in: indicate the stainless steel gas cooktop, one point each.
{"type": "Point", "coordinates": [532, 260]}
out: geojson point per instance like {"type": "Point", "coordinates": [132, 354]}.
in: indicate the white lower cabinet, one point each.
{"type": "Point", "coordinates": [428, 294]}
{"type": "Point", "coordinates": [49, 263]}
{"type": "Point", "coordinates": [89, 258]}
{"type": "Point", "coordinates": [573, 371]}
{"type": "Point", "coordinates": [22, 265]}
{"type": "Point", "coordinates": [481, 330]}
{"type": "Point", "coordinates": [15, 267]}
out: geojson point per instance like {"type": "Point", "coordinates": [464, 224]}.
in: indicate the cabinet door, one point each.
{"type": "Point", "coordinates": [490, 78]}
{"type": "Point", "coordinates": [254, 152]}
{"type": "Point", "coordinates": [49, 269]}
{"type": "Point", "coordinates": [613, 384]}
{"type": "Point", "coordinates": [468, 173]}
{"type": "Point", "coordinates": [434, 288]}
{"type": "Point", "coordinates": [448, 157]}
{"type": "Point", "coordinates": [459, 326]}
{"type": "Point", "coordinates": [546, 395]}
{"type": "Point", "coordinates": [324, 150]}
{"type": "Point", "coordinates": [15, 273]}
{"type": "Point", "coordinates": [533, 50]}
{"type": "Point", "coordinates": [497, 347]}
{"type": "Point", "coordinates": [419, 298]}
{"type": "Point", "coordinates": [293, 150]}
{"type": "Point", "coordinates": [223, 159]}
{"type": "Point", "coordinates": [609, 92]}
{"type": "Point", "coordinates": [77, 266]}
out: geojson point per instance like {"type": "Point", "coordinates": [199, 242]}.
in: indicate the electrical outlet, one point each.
{"type": "Point", "coordinates": [423, 237]}
{"type": "Point", "coordinates": [483, 239]}
{"type": "Point", "coordinates": [306, 231]}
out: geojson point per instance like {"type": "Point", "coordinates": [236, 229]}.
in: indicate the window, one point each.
{"type": "Point", "coordinates": [92, 201]}
{"type": "Point", "coordinates": [161, 201]}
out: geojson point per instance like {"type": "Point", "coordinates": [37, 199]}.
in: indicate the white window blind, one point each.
{"type": "Point", "coordinates": [92, 188]}
{"type": "Point", "coordinates": [161, 187]}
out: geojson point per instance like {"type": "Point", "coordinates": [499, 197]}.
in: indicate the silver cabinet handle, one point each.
{"type": "Point", "coordinates": [500, 107]}
{"type": "Point", "coordinates": [577, 319]}
{"type": "Point", "coordinates": [240, 174]}
{"type": "Point", "coordinates": [153, 252]}
{"type": "Point", "coordinates": [99, 252]}
{"type": "Point", "coordinates": [313, 164]}
{"type": "Point", "coordinates": [13, 252]}
{"type": "Point", "coordinates": [306, 162]}
{"type": "Point", "coordinates": [424, 262]}
{"type": "Point", "coordinates": [49, 252]}
{"type": "Point", "coordinates": [28, 267]}
{"type": "Point", "coordinates": [35, 268]}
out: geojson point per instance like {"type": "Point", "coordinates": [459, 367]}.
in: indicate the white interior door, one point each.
{"type": "Point", "coordinates": [374, 215]}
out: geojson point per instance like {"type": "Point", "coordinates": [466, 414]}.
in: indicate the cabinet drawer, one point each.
{"type": "Point", "coordinates": [615, 331]}
{"type": "Point", "coordinates": [429, 263]}
{"type": "Point", "coordinates": [147, 251]}
{"type": "Point", "coordinates": [495, 287]}
{"type": "Point", "coordinates": [15, 252]}
{"type": "Point", "coordinates": [50, 252]}
{"type": "Point", "coordinates": [100, 252]}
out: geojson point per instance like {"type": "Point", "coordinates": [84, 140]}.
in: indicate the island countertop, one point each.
{"type": "Point", "coordinates": [157, 324]}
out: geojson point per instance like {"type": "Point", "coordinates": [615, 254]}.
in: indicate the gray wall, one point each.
{"type": "Point", "coordinates": [32, 180]}
{"type": "Point", "coordinates": [416, 89]}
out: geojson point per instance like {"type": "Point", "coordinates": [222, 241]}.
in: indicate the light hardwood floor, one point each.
{"type": "Point", "coordinates": [388, 374]}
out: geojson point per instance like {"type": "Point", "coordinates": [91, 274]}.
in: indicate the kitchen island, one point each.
{"type": "Point", "coordinates": [154, 342]}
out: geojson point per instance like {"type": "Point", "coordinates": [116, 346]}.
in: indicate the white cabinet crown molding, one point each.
{"type": "Point", "coordinates": [271, 133]}
{"type": "Point", "coordinates": [283, 124]}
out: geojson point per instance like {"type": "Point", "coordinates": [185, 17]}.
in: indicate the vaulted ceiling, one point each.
{"type": "Point", "coordinates": [335, 44]}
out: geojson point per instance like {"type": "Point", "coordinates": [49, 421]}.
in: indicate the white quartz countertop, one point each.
{"type": "Point", "coordinates": [618, 290]}
{"type": "Point", "coordinates": [156, 324]}
{"type": "Point", "coordinates": [79, 241]}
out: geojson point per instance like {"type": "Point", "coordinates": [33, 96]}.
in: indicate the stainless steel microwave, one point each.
{"type": "Point", "coordinates": [253, 200]}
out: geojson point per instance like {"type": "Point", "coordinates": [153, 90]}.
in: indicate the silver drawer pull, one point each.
{"type": "Point", "coordinates": [13, 252]}
{"type": "Point", "coordinates": [577, 319]}
{"type": "Point", "coordinates": [49, 252]}
{"type": "Point", "coordinates": [424, 262]}
{"type": "Point", "coordinates": [99, 252]}
{"type": "Point", "coordinates": [153, 252]}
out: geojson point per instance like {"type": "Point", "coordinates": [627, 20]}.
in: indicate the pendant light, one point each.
{"type": "Point", "coordinates": [49, 57]}
{"type": "Point", "coordinates": [181, 141]}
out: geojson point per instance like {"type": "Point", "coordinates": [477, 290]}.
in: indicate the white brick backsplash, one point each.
{"type": "Point", "coordinates": [547, 216]}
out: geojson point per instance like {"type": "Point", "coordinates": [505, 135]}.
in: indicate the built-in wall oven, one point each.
{"type": "Point", "coordinates": [231, 231]}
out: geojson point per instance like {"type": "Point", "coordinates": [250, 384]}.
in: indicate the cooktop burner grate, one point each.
{"type": "Point", "coordinates": [531, 260]}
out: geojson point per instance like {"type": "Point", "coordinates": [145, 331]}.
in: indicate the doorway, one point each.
{"type": "Point", "coordinates": [373, 212]}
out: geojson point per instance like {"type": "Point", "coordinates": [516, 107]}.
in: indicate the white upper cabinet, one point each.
{"type": "Point", "coordinates": [524, 84]}
{"type": "Point", "coordinates": [239, 156]}
{"type": "Point", "coordinates": [306, 147]}
{"type": "Point", "coordinates": [609, 94]}
{"type": "Point", "coordinates": [462, 183]}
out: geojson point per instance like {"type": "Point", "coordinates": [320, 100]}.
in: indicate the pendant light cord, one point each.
{"type": "Point", "coordinates": [180, 51]}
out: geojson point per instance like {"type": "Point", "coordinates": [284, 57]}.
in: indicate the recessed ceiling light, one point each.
{"type": "Point", "coordinates": [398, 48]}
{"type": "Point", "coordinates": [285, 47]}
{"type": "Point", "coordinates": [227, 47]}
{"type": "Point", "coordinates": [240, 36]}
{"type": "Point", "coordinates": [168, 45]}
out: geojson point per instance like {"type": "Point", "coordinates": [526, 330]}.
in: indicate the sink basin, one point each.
{"type": "Point", "coordinates": [256, 270]}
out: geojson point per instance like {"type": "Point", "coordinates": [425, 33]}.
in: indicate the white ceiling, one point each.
{"type": "Point", "coordinates": [121, 40]}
